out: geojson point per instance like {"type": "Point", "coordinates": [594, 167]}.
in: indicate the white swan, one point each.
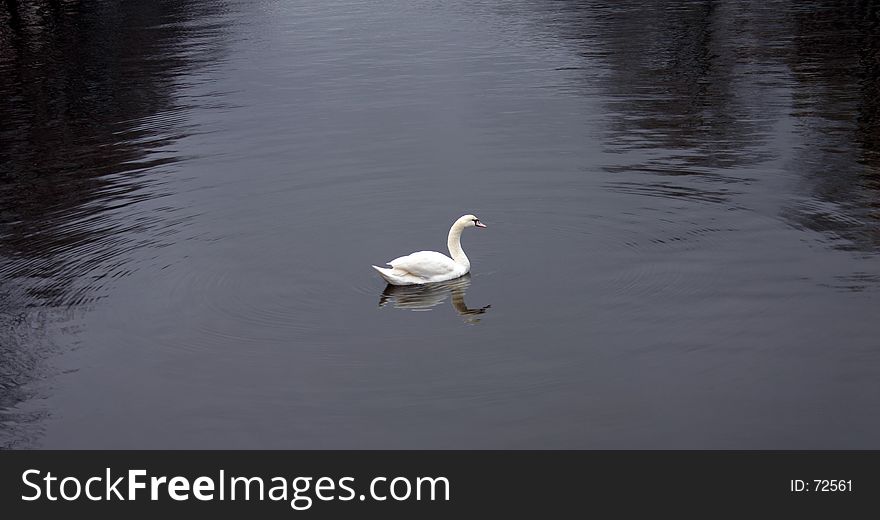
{"type": "Point", "coordinates": [430, 266]}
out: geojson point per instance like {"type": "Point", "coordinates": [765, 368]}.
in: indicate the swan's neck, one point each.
{"type": "Point", "coordinates": [454, 245]}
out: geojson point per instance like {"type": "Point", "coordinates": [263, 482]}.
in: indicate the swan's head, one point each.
{"type": "Point", "coordinates": [470, 221]}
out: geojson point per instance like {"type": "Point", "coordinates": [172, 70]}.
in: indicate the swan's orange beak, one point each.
{"type": "Point", "coordinates": [479, 224]}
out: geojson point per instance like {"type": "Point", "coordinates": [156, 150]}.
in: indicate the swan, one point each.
{"type": "Point", "coordinates": [430, 266]}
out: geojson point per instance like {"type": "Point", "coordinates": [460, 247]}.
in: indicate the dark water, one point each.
{"type": "Point", "coordinates": [683, 201]}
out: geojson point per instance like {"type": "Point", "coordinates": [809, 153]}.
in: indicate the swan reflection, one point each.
{"type": "Point", "coordinates": [423, 297]}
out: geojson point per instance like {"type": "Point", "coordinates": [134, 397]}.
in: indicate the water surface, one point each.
{"type": "Point", "coordinates": [681, 200]}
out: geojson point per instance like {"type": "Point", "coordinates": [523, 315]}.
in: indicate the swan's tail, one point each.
{"type": "Point", "coordinates": [385, 273]}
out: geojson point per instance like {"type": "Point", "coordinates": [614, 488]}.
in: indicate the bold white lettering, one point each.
{"type": "Point", "coordinates": [133, 484]}
{"type": "Point", "coordinates": [202, 485]}
{"type": "Point", "coordinates": [177, 485]}
{"type": "Point", "coordinates": [154, 486]}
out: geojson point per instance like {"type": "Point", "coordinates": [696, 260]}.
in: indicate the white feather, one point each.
{"type": "Point", "coordinates": [424, 267]}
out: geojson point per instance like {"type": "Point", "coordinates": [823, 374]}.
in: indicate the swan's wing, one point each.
{"type": "Point", "coordinates": [425, 264]}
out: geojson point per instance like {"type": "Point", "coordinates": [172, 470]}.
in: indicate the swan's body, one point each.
{"type": "Point", "coordinates": [424, 267]}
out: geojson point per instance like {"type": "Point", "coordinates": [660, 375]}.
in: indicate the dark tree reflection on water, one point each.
{"type": "Point", "coordinates": [836, 61]}
{"type": "Point", "coordinates": [88, 89]}
{"type": "Point", "coordinates": [699, 85]}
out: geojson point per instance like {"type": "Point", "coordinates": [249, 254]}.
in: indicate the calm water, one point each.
{"type": "Point", "coordinates": [683, 201]}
